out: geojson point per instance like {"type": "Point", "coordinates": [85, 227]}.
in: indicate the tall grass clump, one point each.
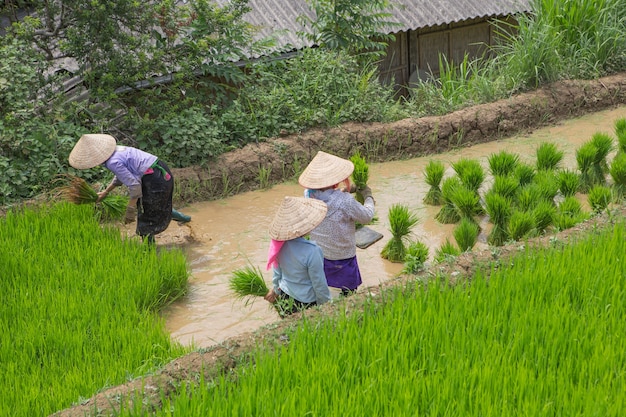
{"type": "Point", "coordinates": [543, 214]}
{"type": "Point", "coordinates": [525, 173]}
{"type": "Point", "coordinates": [549, 156]}
{"type": "Point", "coordinates": [569, 213]}
{"type": "Point", "coordinates": [521, 224]}
{"type": "Point", "coordinates": [466, 203]}
{"type": "Point", "coordinates": [499, 209]}
{"type": "Point", "coordinates": [542, 331]}
{"type": "Point", "coordinates": [505, 185]}
{"type": "Point", "coordinates": [569, 182]}
{"type": "Point", "coordinates": [401, 221]}
{"type": "Point", "coordinates": [448, 214]}
{"type": "Point", "coordinates": [620, 132]}
{"type": "Point", "coordinates": [415, 257]}
{"type": "Point", "coordinates": [617, 170]}
{"type": "Point", "coordinates": [599, 197]}
{"type": "Point", "coordinates": [247, 284]}
{"type": "Point", "coordinates": [433, 175]}
{"type": "Point", "coordinates": [528, 197]}
{"type": "Point", "coordinates": [360, 175]}
{"type": "Point", "coordinates": [447, 251]}
{"type": "Point", "coordinates": [585, 157]}
{"type": "Point", "coordinates": [466, 234]}
{"type": "Point", "coordinates": [80, 309]}
{"type": "Point", "coordinates": [604, 145]}
{"type": "Point", "coordinates": [548, 184]}
{"type": "Point", "coordinates": [502, 163]}
{"type": "Point", "coordinates": [470, 172]}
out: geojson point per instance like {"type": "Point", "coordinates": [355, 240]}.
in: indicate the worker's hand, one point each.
{"type": "Point", "coordinates": [271, 297]}
{"type": "Point", "coordinates": [101, 196]}
{"type": "Point", "coordinates": [366, 192]}
{"type": "Point", "coordinates": [131, 215]}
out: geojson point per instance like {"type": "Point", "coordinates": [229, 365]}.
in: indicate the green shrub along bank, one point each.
{"type": "Point", "coordinates": [191, 120]}
{"type": "Point", "coordinates": [79, 308]}
{"type": "Point", "coordinates": [540, 335]}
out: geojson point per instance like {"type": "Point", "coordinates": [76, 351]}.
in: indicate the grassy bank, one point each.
{"type": "Point", "coordinates": [78, 310]}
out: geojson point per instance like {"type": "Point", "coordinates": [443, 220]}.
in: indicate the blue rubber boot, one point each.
{"type": "Point", "coordinates": [180, 217]}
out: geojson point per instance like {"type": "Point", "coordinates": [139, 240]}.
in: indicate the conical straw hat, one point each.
{"type": "Point", "coordinates": [92, 150]}
{"type": "Point", "coordinates": [325, 170]}
{"type": "Point", "coordinates": [296, 217]}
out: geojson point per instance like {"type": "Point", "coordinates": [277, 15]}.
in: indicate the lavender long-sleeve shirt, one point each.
{"type": "Point", "coordinates": [128, 165]}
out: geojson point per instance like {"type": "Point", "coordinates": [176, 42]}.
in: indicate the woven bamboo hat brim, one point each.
{"type": "Point", "coordinates": [296, 217]}
{"type": "Point", "coordinates": [325, 170]}
{"type": "Point", "coordinates": [91, 150]}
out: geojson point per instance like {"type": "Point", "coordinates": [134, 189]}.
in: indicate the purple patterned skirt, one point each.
{"type": "Point", "coordinates": [343, 274]}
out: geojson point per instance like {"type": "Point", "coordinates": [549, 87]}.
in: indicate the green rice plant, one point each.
{"type": "Point", "coordinates": [470, 172]}
{"type": "Point", "coordinates": [585, 157]}
{"type": "Point", "coordinates": [502, 163]}
{"type": "Point", "coordinates": [521, 224]}
{"type": "Point", "coordinates": [548, 184]}
{"type": "Point", "coordinates": [433, 174]}
{"type": "Point", "coordinates": [505, 185]}
{"type": "Point", "coordinates": [401, 221]}
{"type": "Point", "coordinates": [617, 171]}
{"type": "Point", "coordinates": [499, 209]}
{"type": "Point", "coordinates": [569, 182]}
{"type": "Point", "coordinates": [599, 197]}
{"type": "Point", "coordinates": [448, 214]}
{"type": "Point", "coordinates": [360, 175]}
{"type": "Point", "coordinates": [528, 197]}
{"type": "Point", "coordinates": [620, 132]}
{"type": "Point", "coordinates": [466, 202]}
{"type": "Point", "coordinates": [447, 251]}
{"type": "Point", "coordinates": [247, 284]}
{"type": "Point", "coordinates": [604, 145]}
{"type": "Point", "coordinates": [466, 234]}
{"type": "Point", "coordinates": [569, 213]}
{"type": "Point", "coordinates": [549, 157]}
{"type": "Point", "coordinates": [543, 214]}
{"type": "Point", "coordinates": [525, 173]}
{"type": "Point", "coordinates": [415, 257]}
{"type": "Point", "coordinates": [78, 191]}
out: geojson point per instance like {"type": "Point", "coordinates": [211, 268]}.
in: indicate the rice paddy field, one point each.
{"type": "Point", "coordinates": [79, 307]}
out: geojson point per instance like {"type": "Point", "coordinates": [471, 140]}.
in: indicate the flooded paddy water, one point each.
{"type": "Point", "coordinates": [231, 233]}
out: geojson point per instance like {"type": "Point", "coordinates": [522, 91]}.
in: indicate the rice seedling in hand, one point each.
{"type": "Point", "coordinates": [470, 172]}
{"type": "Point", "coordinates": [543, 213]}
{"type": "Point", "coordinates": [528, 196]}
{"type": "Point", "coordinates": [466, 234]}
{"type": "Point", "coordinates": [569, 182]}
{"type": "Point", "coordinates": [78, 191]}
{"type": "Point", "coordinates": [247, 284]}
{"type": "Point", "coordinates": [448, 214]}
{"type": "Point", "coordinates": [521, 224]}
{"type": "Point", "coordinates": [502, 163]}
{"type": "Point", "coordinates": [585, 157]}
{"type": "Point", "coordinates": [433, 174]}
{"type": "Point", "coordinates": [447, 251]}
{"type": "Point", "coordinates": [604, 145]}
{"type": "Point", "coordinates": [415, 257]}
{"type": "Point", "coordinates": [360, 175]}
{"type": "Point", "coordinates": [505, 185]}
{"type": "Point", "coordinates": [569, 213]}
{"type": "Point", "coordinates": [599, 197]}
{"type": "Point", "coordinates": [466, 203]}
{"type": "Point", "coordinates": [524, 173]}
{"type": "Point", "coordinates": [617, 171]}
{"type": "Point", "coordinates": [548, 185]}
{"type": "Point", "coordinates": [499, 209]}
{"type": "Point", "coordinates": [548, 156]}
{"type": "Point", "coordinates": [401, 221]}
{"type": "Point", "coordinates": [620, 132]}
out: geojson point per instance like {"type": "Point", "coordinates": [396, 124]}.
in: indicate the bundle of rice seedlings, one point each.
{"type": "Point", "coordinates": [548, 185]}
{"type": "Point", "coordinates": [499, 210]}
{"type": "Point", "coordinates": [247, 284]}
{"type": "Point", "coordinates": [528, 196]}
{"type": "Point", "coordinates": [470, 172]}
{"type": "Point", "coordinates": [466, 203]}
{"type": "Point", "coordinates": [548, 156]}
{"type": "Point", "coordinates": [620, 132]}
{"type": "Point", "coordinates": [446, 252]}
{"type": "Point", "coordinates": [585, 157]}
{"type": "Point", "coordinates": [433, 174]}
{"type": "Point", "coordinates": [599, 197]}
{"type": "Point", "coordinates": [521, 224]}
{"type": "Point", "coordinates": [360, 175]}
{"type": "Point", "coordinates": [401, 221]}
{"type": "Point", "coordinates": [502, 163]}
{"type": "Point", "coordinates": [78, 191]}
{"type": "Point", "coordinates": [604, 145]}
{"type": "Point", "coordinates": [543, 213]}
{"type": "Point", "coordinates": [618, 174]}
{"type": "Point", "coordinates": [448, 214]}
{"type": "Point", "coordinates": [569, 213]}
{"type": "Point", "coordinates": [415, 257]}
{"type": "Point", "coordinates": [569, 182]}
{"type": "Point", "coordinates": [466, 234]}
{"type": "Point", "coordinates": [524, 173]}
{"type": "Point", "coordinates": [505, 185]}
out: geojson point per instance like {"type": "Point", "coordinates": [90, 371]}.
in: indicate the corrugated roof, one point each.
{"type": "Point", "coordinates": [279, 17]}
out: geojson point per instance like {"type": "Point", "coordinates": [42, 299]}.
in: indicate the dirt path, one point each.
{"type": "Point", "coordinates": [282, 157]}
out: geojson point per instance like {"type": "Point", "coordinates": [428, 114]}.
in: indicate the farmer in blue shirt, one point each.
{"type": "Point", "coordinates": [298, 281]}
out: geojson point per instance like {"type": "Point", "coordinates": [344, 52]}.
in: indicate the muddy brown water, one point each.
{"type": "Point", "coordinates": [231, 233]}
